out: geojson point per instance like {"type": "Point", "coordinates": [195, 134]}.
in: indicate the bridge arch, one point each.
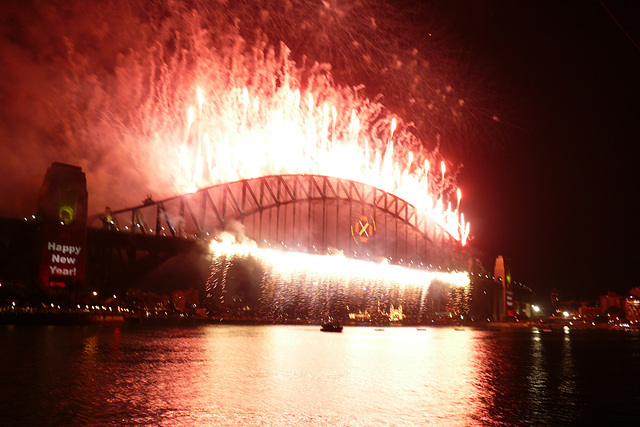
{"type": "Point", "coordinates": [312, 213]}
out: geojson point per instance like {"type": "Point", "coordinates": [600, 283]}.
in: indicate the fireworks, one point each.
{"type": "Point", "coordinates": [167, 98]}
{"type": "Point", "coordinates": [289, 133]}
{"type": "Point", "coordinates": [299, 284]}
{"type": "Point", "coordinates": [164, 98]}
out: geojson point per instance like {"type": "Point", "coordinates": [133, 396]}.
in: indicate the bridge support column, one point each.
{"type": "Point", "coordinates": [62, 214]}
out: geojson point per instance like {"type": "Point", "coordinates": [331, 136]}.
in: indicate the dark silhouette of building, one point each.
{"type": "Point", "coordinates": [62, 219]}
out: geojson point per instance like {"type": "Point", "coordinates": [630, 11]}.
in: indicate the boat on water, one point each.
{"type": "Point", "coordinates": [331, 327]}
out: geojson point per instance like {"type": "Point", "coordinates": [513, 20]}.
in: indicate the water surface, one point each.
{"type": "Point", "coordinates": [296, 375]}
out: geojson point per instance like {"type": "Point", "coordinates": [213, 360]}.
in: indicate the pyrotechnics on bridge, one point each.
{"type": "Point", "coordinates": [256, 149]}
{"type": "Point", "coordinates": [374, 204]}
{"type": "Point", "coordinates": [320, 235]}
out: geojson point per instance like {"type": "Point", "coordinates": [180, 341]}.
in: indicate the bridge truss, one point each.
{"type": "Point", "coordinates": [312, 213]}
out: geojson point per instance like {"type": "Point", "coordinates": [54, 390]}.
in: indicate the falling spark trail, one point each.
{"type": "Point", "coordinates": [330, 284]}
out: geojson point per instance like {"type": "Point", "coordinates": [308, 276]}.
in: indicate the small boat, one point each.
{"type": "Point", "coordinates": [331, 327]}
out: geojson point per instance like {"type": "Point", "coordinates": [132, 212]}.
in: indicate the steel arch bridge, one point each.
{"type": "Point", "coordinates": [313, 213]}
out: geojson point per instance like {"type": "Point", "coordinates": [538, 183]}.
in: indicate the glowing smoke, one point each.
{"type": "Point", "coordinates": [108, 86]}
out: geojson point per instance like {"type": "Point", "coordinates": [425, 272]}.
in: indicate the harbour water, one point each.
{"type": "Point", "coordinates": [280, 375]}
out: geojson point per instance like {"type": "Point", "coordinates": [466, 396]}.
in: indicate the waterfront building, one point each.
{"type": "Point", "coordinates": [589, 312]}
{"type": "Point", "coordinates": [611, 300]}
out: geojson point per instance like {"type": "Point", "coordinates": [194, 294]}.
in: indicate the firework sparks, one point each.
{"type": "Point", "coordinates": [182, 98]}
{"type": "Point", "coordinates": [343, 268]}
{"type": "Point", "coordinates": [280, 135]}
{"type": "Point", "coordinates": [321, 284]}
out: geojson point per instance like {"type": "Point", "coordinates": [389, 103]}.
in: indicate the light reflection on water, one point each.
{"type": "Point", "coordinates": [296, 375]}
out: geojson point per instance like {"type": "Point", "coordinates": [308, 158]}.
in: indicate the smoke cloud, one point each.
{"type": "Point", "coordinates": [106, 85]}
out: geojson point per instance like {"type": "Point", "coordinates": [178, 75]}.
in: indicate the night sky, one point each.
{"type": "Point", "coordinates": [557, 196]}
{"type": "Point", "coordinates": [551, 185]}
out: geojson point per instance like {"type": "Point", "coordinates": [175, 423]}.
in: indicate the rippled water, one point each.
{"type": "Point", "coordinates": [297, 375]}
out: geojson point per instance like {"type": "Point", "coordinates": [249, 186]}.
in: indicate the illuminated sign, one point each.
{"type": "Point", "coordinates": [63, 259]}
{"type": "Point", "coordinates": [363, 229]}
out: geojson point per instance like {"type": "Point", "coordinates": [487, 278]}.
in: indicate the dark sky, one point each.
{"type": "Point", "coordinates": [552, 188]}
{"type": "Point", "coordinates": [558, 195]}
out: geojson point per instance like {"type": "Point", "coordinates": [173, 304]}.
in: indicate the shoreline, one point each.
{"type": "Point", "coordinates": [102, 318]}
